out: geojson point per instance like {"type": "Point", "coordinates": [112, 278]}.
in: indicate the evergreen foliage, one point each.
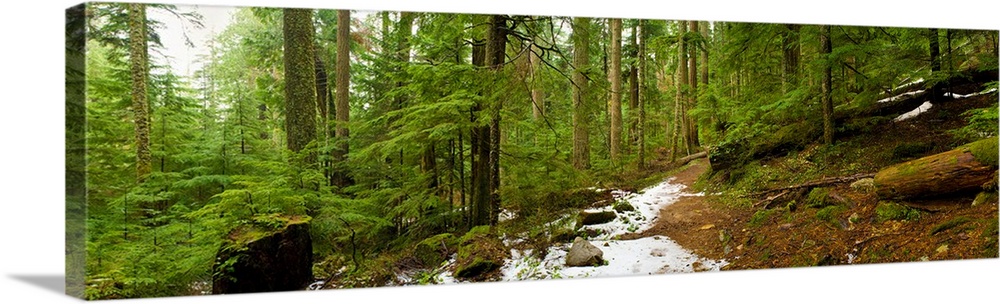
{"type": "Point", "coordinates": [218, 139]}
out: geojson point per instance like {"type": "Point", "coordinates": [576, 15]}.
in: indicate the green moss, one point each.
{"type": "Point", "coordinates": [434, 250]}
{"type": "Point", "coordinates": [990, 237]}
{"type": "Point", "coordinates": [952, 223]}
{"type": "Point", "coordinates": [759, 217]}
{"type": "Point", "coordinates": [888, 211]}
{"type": "Point", "coordinates": [984, 198]}
{"type": "Point", "coordinates": [473, 233]}
{"type": "Point", "coordinates": [985, 150]}
{"type": "Point", "coordinates": [818, 197]}
{"type": "Point", "coordinates": [262, 226]}
{"type": "Point", "coordinates": [830, 213]}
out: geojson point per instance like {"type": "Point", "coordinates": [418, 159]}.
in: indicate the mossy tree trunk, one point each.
{"type": "Point", "coordinates": [790, 57]}
{"type": "Point", "coordinates": [640, 100]}
{"type": "Point", "coordinates": [964, 169]}
{"type": "Point", "coordinates": [678, 126]}
{"type": "Point", "coordinates": [581, 62]}
{"type": "Point", "coordinates": [300, 80]}
{"type": "Point", "coordinates": [342, 103]}
{"type": "Point", "coordinates": [138, 54]}
{"type": "Point", "coordinates": [692, 126]}
{"type": "Point", "coordinates": [826, 86]}
{"type": "Point", "coordinates": [615, 106]}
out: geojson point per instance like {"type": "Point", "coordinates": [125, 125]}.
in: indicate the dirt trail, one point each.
{"type": "Point", "coordinates": [691, 221]}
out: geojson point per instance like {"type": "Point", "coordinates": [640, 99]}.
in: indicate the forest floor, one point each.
{"type": "Point", "coordinates": [856, 227]}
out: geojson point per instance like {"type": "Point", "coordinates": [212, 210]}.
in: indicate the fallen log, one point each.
{"type": "Point", "coordinates": [964, 169]}
{"type": "Point", "coordinates": [684, 160]}
{"type": "Point", "coordinates": [815, 183]}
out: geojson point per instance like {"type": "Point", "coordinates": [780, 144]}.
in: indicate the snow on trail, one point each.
{"type": "Point", "coordinates": [645, 256]}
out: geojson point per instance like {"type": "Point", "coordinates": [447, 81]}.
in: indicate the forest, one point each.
{"type": "Point", "coordinates": [323, 149]}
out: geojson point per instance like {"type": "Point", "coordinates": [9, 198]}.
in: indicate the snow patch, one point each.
{"type": "Point", "coordinates": [900, 96]}
{"type": "Point", "coordinates": [960, 96]}
{"type": "Point", "coordinates": [915, 112]}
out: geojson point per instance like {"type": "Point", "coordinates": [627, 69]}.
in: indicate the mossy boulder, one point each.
{"type": "Point", "coordinates": [434, 250]}
{"type": "Point", "coordinates": [985, 198]}
{"type": "Point", "coordinates": [866, 185]}
{"type": "Point", "coordinates": [260, 258]}
{"type": "Point", "coordinates": [480, 255]}
{"type": "Point", "coordinates": [595, 217]}
{"type": "Point", "coordinates": [623, 206]}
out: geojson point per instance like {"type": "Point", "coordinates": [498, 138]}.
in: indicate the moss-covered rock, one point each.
{"type": "Point", "coordinates": [594, 218]}
{"type": "Point", "coordinates": [480, 254]}
{"type": "Point", "coordinates": [818, 198]}
{"type": "Point", "coordinates": [864, 185]}
{"type": "Point", "coordinates": [623, 206]}
{"type": "Point", "coordinates": [985, 198]}
{"type": "Point", "coordinates": [886, 211]}
{"type": "Point", "coordinates": [260, 258]}
{"type": "Point", "coordinates": [434, 250]}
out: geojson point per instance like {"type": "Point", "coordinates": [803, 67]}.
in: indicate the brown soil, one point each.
{"type": "Point", "coordinates": [848, 232]}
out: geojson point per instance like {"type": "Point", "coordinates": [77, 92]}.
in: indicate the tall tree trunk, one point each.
{"type": "Point", "coordinates": [138, 62]}
{"type": "Point", "coordinates": [480, 154]}
{"type": "Point", "coordinates": [300, 80]}
{"type": "Point", "coordinates": [633, 103]}
{"type": "Point", "coordinates": [616, 90]}
{"type": "Point", "coordinates": [496, 47]}
{"type": "Point", "coordinates": [640, 100]}
{"type": "Point", "coordinates": [693, 96]}
{"type": "Point", "coordinates": [581, 61]}
{"type": "Point", "coordinates": [682, 77]}
{"type": "Point", "coordinates": [704, 56]}
{"type": "Point", "coordinates": [790, 57]}
{"type": "Point", "coordinates": [342, 103]}
{"type": "Point", "coordinates": [827, 85]}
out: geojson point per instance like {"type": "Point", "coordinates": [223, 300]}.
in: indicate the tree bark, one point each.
{"type": "Point", "coordinates": [138, 62]}
{"type": "Point", "coordinates": [300, 92]}
{"type": "Point", "coordinates": [826, 49]}
{"type": "Point", "coordinates": [496, 46]}
{"type": "Point", "coordinates": [480, 154]}
{"type": "Point", "coordinates": [616, 87]}
{"type": "Point", "coordinates": [692, 125]}
{"type": "Point", "coordinates": [679, 127]}
{"type": "Point", "coordinates": [581, 62]}
{"type": "Point", "coordinates": [964, 169]}
{"type": "Point", "coordinates": [640, 100]}
{"type": "Point", "coordinates": [633, 81]}
{"type": "Point", "coordinates": [343, 133]}
{"type": "Point", "coordinates": [790, 57]}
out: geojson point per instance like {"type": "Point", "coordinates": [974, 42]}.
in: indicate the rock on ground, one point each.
{"type": "Point", "coordinates": [583, 253]}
